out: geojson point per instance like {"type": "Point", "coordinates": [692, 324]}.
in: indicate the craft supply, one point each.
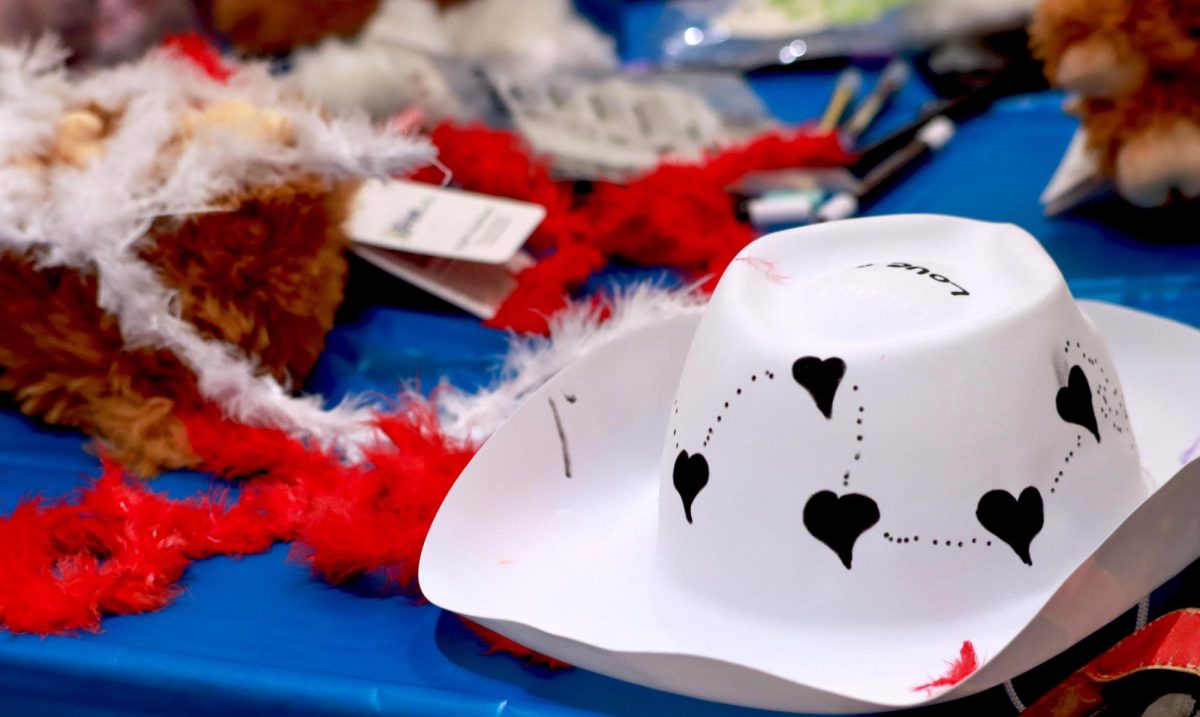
{"type": "Point", "coordinates": [418, 218]}
{"type": "Point", "coordinates": [783, 207]}
{"type": "Point", "coordinates": [967, 94]}
{"type": "Point", "coordinates": [793, 179]}
{"type": "Point", "coordinates": [741, 440]}
{"type": "Point", "coordinates": [844, 92]}
{"type": "Point", "coordinates": [954, 110]}
{"type": "Point", "coordinates": [929, 139]}
{"type": "Point", "coordinates": [891, 80]}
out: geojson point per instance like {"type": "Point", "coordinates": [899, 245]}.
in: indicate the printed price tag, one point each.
{"type": "Point", "coordinates": [423, 219]}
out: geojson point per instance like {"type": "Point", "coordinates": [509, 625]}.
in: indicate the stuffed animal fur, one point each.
{"type": "Point", "coordinates": [108, 31]}
{"type": "Point", "coordinates": [1134, 68]}
{"type": "Point", "coordinates": [171, 243]}
{"type": "Point", "coordinates": [271, 26]}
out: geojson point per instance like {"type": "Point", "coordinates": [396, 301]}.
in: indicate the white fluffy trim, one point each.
{"type": "Point", "coordinates": [574, 331]}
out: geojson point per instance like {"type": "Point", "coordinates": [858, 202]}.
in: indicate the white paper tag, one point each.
{"type": "Point", "coordinates": [1076, 180]}
{"type": "Point", "coordinates": [423, 219]}
{"type": "Point", "coordinates": [472, 286]}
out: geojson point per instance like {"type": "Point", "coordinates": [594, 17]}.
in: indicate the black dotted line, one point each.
{"type": "Point", "coordinates": [907, 539]}
{"type": "Point", "coordinates": [948, 542]}
{"type": "Point", "coordinates": [951, 543]}
{"type": "Point", "coordinates": [769, 375]}
{"type": "Point", "coordinates": [1114, 412]}
{"type": "Point", "coordinates": [859, 436]}
{"type": "Point", "coordinates": [1067, 459]}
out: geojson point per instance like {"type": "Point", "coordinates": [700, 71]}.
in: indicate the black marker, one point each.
{"type": "Point", "coordinates": [894, 76]}
{"type": "Point", "coordinates": [932, 137]}
{"type": "Point", "coordinates": [958, 109]}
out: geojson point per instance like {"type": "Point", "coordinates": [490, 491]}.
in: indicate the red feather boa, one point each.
{"type": "Point", "coordinates": [120, 548]}
{"type": "Point", "coordinates": [117, 547]}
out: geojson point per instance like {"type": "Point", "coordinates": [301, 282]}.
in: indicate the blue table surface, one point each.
{"type": "Point", "coordinates": [260, 635]}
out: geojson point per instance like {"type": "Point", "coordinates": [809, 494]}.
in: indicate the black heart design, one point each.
{"type": "Point", "coordinates": [691, 475]}
{"type": "Point", "coordinates": [838, 522]}
{"type": "Point", "coordinates": [1014, 520]}
{"type": "Point", "coordinates": [1074, 402]}
{"type": "Point", "coordinates": [820, 379]}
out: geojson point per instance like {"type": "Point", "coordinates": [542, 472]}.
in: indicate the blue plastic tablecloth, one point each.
{"type": "Point", "coordinates": [259, 635]}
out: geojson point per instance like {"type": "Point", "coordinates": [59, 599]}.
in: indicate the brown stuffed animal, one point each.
{"type": "Point", "coordinates": [266, 276]}
{"type": "Point", "coordinates": [1135, 68]}
{"type": "Point", "coordinates": [171, 243]}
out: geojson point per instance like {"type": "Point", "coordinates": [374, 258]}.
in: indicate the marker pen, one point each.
{"type": "Point", "coordinates": [844, 92]}
{"type": "Point", "coordinates": [958, 110]}
{"type": "Point", "coordinates": [782, 208]}
{"type": "Point", "coordinates": [932, 137]}
{"type": "Point", "coordinates": [893, 77]}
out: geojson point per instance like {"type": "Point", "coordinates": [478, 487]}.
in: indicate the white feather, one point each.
{"type": "Point", "coordinates": [574, 331]}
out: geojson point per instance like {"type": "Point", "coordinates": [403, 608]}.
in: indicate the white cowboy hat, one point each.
{"type": "Point", "coordinates": [883, 439]}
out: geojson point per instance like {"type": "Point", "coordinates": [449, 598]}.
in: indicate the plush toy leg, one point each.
{"type": "Point", "coordinates": [1161, 160]}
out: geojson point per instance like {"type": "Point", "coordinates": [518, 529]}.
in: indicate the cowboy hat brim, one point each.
{"type": "Point", "coordinates": [548, 536]}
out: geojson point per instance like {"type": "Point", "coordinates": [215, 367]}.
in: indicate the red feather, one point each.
{"type": "Point", "coordinates": [499, 643]}
{"type": "Point", "coordinates": [957, 670]}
